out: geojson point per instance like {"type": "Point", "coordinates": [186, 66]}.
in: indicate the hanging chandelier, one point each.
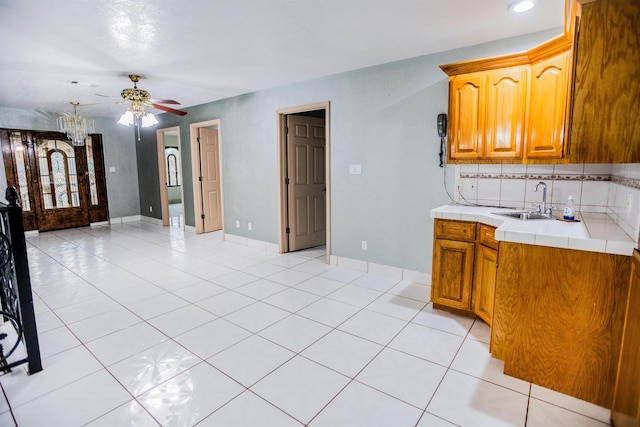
{"type": "Point", "coordinates": [75, 126]}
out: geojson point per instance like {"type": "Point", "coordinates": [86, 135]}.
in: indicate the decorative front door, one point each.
{"type": "Point", "coordinates": [60, 185]}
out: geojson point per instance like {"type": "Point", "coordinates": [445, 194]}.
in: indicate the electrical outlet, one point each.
{"type": "Point", "coordinates": [364, 245]}
{"type": "Point", "coordinates": [237, 223]}
{"type": "Point", "coordinates": [150, 208]}
{"type": "Point", "coordinates": [249, 226]}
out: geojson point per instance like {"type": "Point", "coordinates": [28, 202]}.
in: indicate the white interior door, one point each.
{"type": "Point", "coordinates": [210, 179]}
{"type": "Point", "coordinates": [306, 192]}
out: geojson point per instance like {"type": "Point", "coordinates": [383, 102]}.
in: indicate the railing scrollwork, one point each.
{"type": "Point", "coordinates": [17, 318]}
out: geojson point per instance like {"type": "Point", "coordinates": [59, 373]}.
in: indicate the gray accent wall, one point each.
{"type": "Point", "coordinates": [119, 152]}
{"type": "Point", "coordinates": [382, 118]}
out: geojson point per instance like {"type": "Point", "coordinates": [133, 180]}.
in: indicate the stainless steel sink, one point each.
{"type": "Point", "coordinates": [524, 215]}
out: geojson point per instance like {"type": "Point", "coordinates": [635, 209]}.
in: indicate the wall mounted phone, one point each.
{"type": "Point", "coordinates": [442, 132]}
{"type": "Point", "coordinates": [442, 125]}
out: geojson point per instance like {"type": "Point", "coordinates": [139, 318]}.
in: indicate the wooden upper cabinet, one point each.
{"type": "Point", "coordinates": [605, 122]}
{"type": "Point", "coordinates": [511, 113]}
{"type": "Point", "coordinates": [466, 116]}
{"type": "Point", "coordinates": [514, 108]}
{"type": "Point", "coordinates": [487, 114]}
{"type": "Point", "coordinates": [506, 97]}
{"type": "Point", "coordinates": [547, 107]}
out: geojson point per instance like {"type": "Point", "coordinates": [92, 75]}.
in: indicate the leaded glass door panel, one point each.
{"type": "Point", "coordinates": [63, 190]}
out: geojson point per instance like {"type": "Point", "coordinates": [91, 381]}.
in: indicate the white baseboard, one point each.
{"type": "Point", "coordinates": [236, 239]}
{"type": "Point", "coordinates": [382, 270]}
{"type": "Point", "coordinates": [125, 219]}
{"type": "Point", "coordinates": [353, 264]}
{"type": "Point", "coordinates": [151, 220]}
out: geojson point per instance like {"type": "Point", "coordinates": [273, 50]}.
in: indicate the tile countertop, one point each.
{"type": "Point", "coordinates": [596, 232]}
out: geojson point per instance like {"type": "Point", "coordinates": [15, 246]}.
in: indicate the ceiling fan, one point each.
{"type": "Point", "coordinates": [140, 97]}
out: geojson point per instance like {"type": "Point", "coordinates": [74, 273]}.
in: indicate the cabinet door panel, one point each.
{"type": "Point", "coordinates": [452, 273]}
{"type": "Point", "coordinates": [485, 282]}
{"type": "Point", "coordinates": [558, 318]}
{"type": "Point", "coordinates": [626, 403]}
{"type": "Point", "coordinates": [505, 113]}
{"type": "Point", "coordinates": [547, 108]}
{"type": "Point", "coordinates": [466, 117]}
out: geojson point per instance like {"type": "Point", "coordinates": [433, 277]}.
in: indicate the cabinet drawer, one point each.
{"type": "Point", "coordinates": [455, 230]}
{"type": "Point", "coordinates": [486, 236]}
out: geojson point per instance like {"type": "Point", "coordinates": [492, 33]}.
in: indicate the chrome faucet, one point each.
{"type": "Point", "coordinates": [542, 207]}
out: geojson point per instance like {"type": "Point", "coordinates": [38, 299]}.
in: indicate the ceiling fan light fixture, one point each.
{"type": "Point", "coordinates": [75, 126]}
{"type": "Point", "coordinates": [148, 120]}
{"type": "Point", "coordinates": [126, 119]}
{"type": "Point", "coordinates": [521, 5]}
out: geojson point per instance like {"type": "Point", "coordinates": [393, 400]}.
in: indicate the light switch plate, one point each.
{"type": "Point", "coordinates": [355, 169]}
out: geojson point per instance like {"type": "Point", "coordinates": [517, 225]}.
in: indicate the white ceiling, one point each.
{"type": "Point", "coordinates": [199, 51]}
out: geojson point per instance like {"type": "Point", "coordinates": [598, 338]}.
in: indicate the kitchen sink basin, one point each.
{"type": "Point", "coordinates": [524, 215]}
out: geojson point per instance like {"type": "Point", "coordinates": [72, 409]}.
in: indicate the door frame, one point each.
{"type": "Point", "coordinates": [281, 118]}
{"type": "Point", "coordinates": [162, 174]}
{"type": "Point", "coordinates": [195, 167]}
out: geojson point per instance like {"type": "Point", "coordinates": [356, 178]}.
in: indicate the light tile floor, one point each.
{"type": "Point", "coordinates": [144, 325]}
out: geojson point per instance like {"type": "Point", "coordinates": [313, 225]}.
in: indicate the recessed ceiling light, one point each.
{"type": "Point", "coordinates": [521, 5]}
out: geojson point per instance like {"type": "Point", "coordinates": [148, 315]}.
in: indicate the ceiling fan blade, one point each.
{"type": "Point", "coordinates": [169, 110]}
{"type": "Point", "coordinates": [164, 101]}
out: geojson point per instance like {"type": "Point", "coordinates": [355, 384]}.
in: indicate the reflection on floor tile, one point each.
{"type": "Point", "coordinates": [190, 396]}
{"type": "Point", "coordinates": [151, 367]}
{"type": "Point", "coordinates": [145, 325]}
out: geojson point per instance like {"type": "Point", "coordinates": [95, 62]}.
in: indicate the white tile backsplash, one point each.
{"type": "Point", "coordinates": [604, 188]}
{"type": "Point", "coordinates": [598, 169]}
{"type": "Point", "coordinates": [562, 190]}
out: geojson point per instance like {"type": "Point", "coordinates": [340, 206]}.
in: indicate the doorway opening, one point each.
{"type": "Point", "coordinates": [206, 171]}
{"type": "Point", "coordinates": [304, 184]}
{"type": "Point", "coordinates": [170, 177]}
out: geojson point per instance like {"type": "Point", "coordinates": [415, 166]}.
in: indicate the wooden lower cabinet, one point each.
{"type": "Point", "coordinates": [451, 284]}
{"type": "Point", "coordinates": [558, 318]}
{"type": "Point", "coordinates": [485, 282]}
{"type": "Point", "coordinates": [626, 402]}
{"type": "Point", "coordinates": [464, 268]}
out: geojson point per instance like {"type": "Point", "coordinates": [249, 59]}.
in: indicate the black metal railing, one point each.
{"type": "Point", "coordinates": [17, 318]}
